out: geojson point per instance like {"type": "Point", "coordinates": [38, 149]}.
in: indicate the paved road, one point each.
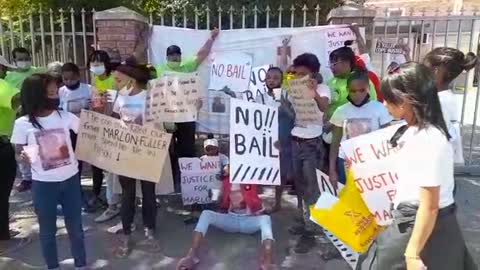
{"type": "Point", "coordinates": [224, 251]}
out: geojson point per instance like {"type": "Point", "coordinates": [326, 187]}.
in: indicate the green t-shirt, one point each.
{"type": "Point", "coordinates": [187, 66]}
{"type": "Point", "coordinates": [339, 91]}
{"type": "Point", "coordinates": [104, 85]}
{"type": "Point", "coordinates": [16, 78]}
{"type": "Point", "coordinates": [7, 114]}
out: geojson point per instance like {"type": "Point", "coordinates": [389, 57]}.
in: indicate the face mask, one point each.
{"type": "Point", "coordinates": [98, 70]}
{"type": "Point", "coordinates": [24, 64]}
{"type": "Point", "coordinates": [126, 90]}
{"type": "Point", "coordinates": [74, 86]}
{"type": "Point", "coordinates": [172, 64]}
{"type": "Point", "coordinates": [365, 101]}
{"type": "Point", "coordinates": [52, 103]}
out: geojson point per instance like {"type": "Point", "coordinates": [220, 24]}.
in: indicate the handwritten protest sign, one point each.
{"type": "Point", "coordinates": [306, 109]}
{"type": "Point", "coordinates": [254, 130]}
{"type": "Point", "coordinates": [199, 176]}
{"type": "Point", "coordinates": [371, 160]}
{"type": "Point", "coordinates": [231, 70]}
{"type": "Point", "coordinates": [336, 38]}
{"type": "Point", "coordinates": [173, 98]}
{"type": "Point", "coordinates": [388, 45]}
{"type": "Point", "coordinates": [257, 83]}
{"type": "Point", "coordinates": [130, 150]}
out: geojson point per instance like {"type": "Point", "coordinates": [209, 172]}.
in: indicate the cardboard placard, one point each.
{"type": "Point", "coordinates": [130, 150]}
{"type": "Point", "coordinates": [306, 109]}
{"type": "Point", "coordinates": [388, 46]}
{"type": "Point", "coordinates": [231, 70]}
{"type": "Point", "coordinates": [198, 178]}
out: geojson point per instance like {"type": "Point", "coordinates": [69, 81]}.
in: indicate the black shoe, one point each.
{"type": "Point", "coordinates": [304, 244]}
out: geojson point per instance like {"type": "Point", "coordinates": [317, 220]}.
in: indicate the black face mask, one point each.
{"type": "Point", "coordinates": [52, 103]}
{"type": "Point", "coordinates": [365, 101]}
{"type": "Point", "coordinates": [74, 86]}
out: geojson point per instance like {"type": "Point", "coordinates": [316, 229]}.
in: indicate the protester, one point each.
{"type": "Point", "coordinates": [42, 138]}
{"type": "Point", "coordinates": [273, 82]}
{"type": "Point", "coordinates": [129, 107]}
{"type": "Point", "coordinates": [241, 213]}
{"type": "Point", "coordinates": [425, 233]}
{"type": "Point", "coordinates": [23, 62]}
{"type": "Point", "coordinates": [184, 134]}
{"type": "Point", "coordinates": [9, 96]}
{"type": "Point", "coordinates": [368, 115]}
{"type": "Point", "coordinates": [306, 150]}
{"type": "Point", "coordinates": [447, 64]}
{"type": "Point", "coordinates": [100, 67]}
{"type": "Point", "coordinates": [74, 97]}
{"type": "Point", "coordinates": [212, 150]}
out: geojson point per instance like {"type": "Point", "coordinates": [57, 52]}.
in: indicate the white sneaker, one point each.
{"type": "Point", "coordinates": [109, 214]}
{"type": "Point", "coordinates": [119, 228]}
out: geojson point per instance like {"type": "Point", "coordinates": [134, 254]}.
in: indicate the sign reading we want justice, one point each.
{"type": "Point", "coordinates": [130, 150]}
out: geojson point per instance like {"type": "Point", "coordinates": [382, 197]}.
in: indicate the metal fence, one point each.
{"type": "Point", "coordinates": [70, 36]}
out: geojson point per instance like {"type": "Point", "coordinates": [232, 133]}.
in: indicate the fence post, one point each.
{"type": "Point", "coordinates": [123, 29]}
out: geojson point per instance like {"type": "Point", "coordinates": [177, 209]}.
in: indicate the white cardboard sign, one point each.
{"type": "Point", "coordinates": [198, 178]}
{"type": "Point", "coordinates": [231, 70]}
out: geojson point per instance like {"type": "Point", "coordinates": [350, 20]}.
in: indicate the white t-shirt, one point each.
{"type": "Point", "coordinates": [55, 160]}
{"type": "Point", "coordinates": [312, 131]}
{"type": "Point", "coordinates": [75, 100]}
{"type": "Point", "coordinates": [357, 121]}
{"type": "Point", "coordinates": [131, 108]}
{"type": "Point", "coordinates": [451, 115]}
{"type": "Point", "coordinates": [425, 160]}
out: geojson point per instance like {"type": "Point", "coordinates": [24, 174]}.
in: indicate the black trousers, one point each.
{"type": "Point", "coordinates": [8, 170]}
{"type": "Point", "coordinates": [149, 204]}
{"type": "Point", "coordinates": [444, 250]}
{"type": "Point", "coordinates": [183, 146]}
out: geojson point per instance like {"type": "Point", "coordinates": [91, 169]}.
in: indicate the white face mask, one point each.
{"type": "Point", "coordinates": [172, 64]}
{"type": "Point", "coordinates": [98, 70]}
{"type": "Point", "coordinates": [24, 64]}
{"type": "Point", "coordinates": [126, 90]}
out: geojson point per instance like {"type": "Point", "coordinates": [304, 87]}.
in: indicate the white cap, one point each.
{"type": "Point", "coordinates": [4, 62]}
{"type": "Point", "coordinates": [210, 142]}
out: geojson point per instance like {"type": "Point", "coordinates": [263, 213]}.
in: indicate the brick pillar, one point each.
{"type": "Point", "coordinates": [123, 29]}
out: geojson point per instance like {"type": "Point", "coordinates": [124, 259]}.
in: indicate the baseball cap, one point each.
{"type": "Point", "coordinates": [210, 142]}
{"type": "Point", "coordinates": [5, 63]}
{"type": "Point", "coordinates": [173, 49]}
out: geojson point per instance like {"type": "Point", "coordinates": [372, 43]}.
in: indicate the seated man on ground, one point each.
{"type": "Point", "coordinates": [241, 212]}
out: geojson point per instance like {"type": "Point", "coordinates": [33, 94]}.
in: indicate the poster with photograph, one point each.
{"type": "Point", "coordinates": [357, 126]}
{"type": "Point", "coordinates": [53, 148]}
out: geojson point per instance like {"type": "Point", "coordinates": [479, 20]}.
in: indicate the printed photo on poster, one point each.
{"type": "Point", "coordinates": [75, 106]}
{"type": "Point", "coordinates": [132, 113]}
{"type": "Point", "coordinates": [357, 126]}
{"type": "Point", "coordinates": [214, 115]}
{"type": "Point", "coordinates": [53, 148]}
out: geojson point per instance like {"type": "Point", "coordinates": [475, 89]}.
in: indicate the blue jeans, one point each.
{"type": "Point", "coordinates": [342, 176]}
{"type": "Point", "coordinates": [235, 224]}
{"type": "Point", "coordinates": [46, 197]}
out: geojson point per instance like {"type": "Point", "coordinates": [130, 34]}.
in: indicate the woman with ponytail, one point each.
{"type": "Point", "coordinates": [424, 233]}
{"type": "Point", "coordinates": [447, 64]}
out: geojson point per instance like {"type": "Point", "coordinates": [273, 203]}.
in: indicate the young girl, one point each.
{"type": "Point", "coordinates": [359, 116]}
{"type": "Point", "coordinates": [425, 233]}
{"type": "Point", "coordinates": [42, 137]}
{"type": "Point", "coordinates": [241, 213]}
{"type": "Point", "coordinates": [447, 64]}
{"type": "Point", "coordinates": [100, 67]}
{"type": "Point", "coordinates": [129, 107]}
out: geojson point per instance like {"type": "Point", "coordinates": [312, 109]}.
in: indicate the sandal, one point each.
{"type": "Point", "coordinates": [188, 263]}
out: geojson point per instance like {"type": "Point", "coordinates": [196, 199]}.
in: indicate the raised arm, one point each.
{"type": "Point", "coordinates": [283, 61]}
{"type": "Point", "coordinates": [207, 47]}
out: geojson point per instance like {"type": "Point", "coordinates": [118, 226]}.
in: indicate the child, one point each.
{"type": "Point", "coordinates": [242, 214]}
{"type": "Point", "coordinates": [447, 64]}
{"type": "Point", "coordinates": [359, 116]}
{"type": "Point", "coordinates": [306, 150]}
{"type": "Point", "coordinates": [44, 135]}
{"type": "Point", "coordinates": [74, 95]}
{"type": "Point", "coordinates": [273, 81]}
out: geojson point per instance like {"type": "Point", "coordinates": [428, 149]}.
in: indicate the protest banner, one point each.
{"type": "Point", "coordinates": [306, 109]}
{"type": "Point", "coordinates": [388, 45]}
{"type": "Point", "coordinates": [371, 160]}
{"type": "Point", "coordinates": [230, 70]}
{"type": "Point", "coordinates": [130, 150]}
{"type": "Point", "coordinates": [254, 131]}
{"type": "Point", "coordinates": [198, 178]}
{"type": "Point", "coordinates": [324, 185]}
{"type": "Point", "coordinates": [173, 98]}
